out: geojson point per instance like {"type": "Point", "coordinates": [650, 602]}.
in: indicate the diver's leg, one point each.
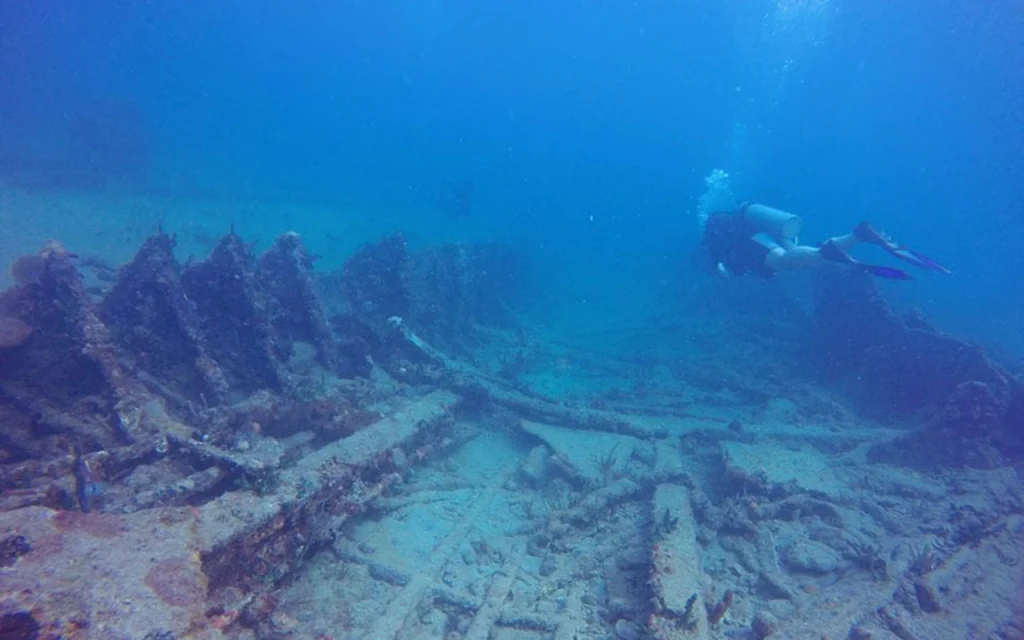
{"type": "Point", "coordinates": [799, 257]}
{"type": "Point", "coordinates": [864, 232]}
{"type": "Point", "coordinates": [846, 242]}
{"type": "Point", "coordinates": [782, 258]}
{"type": "Point", "coordinates": [784, 255]}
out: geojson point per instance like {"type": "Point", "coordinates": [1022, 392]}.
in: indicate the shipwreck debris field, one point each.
{"type": "Point", "coordinates": [243, 447]}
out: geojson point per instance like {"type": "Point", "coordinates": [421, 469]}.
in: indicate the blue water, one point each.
{"type": "Point", "coordinates": [536, 473]}
{"type": "Point", "coordinates": [585, 128]}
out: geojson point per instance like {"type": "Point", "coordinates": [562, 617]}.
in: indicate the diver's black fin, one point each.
{"type": "Point", "coordinates": [918, 259]}
{"type": "Point", "coordinates": [834, 253]}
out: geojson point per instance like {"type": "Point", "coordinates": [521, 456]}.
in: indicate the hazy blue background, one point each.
{"type": "Point", "coordinates": [586, 127]}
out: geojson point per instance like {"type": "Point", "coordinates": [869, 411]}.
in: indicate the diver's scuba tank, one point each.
{"type": "Point", "coordinates": [778, 223]}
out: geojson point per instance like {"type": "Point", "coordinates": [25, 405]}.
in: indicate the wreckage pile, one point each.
{"type": "Point", "coordinates": [182, 384]}
{"type": "Point", "coordinates": [973, 409]}
{"type": "Point", "coordinates": [191, 356]}
{"type": "Point", "coordinates": [227, 421]}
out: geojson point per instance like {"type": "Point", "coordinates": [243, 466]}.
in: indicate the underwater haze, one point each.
{"type": "Point", "coordinates": [585, 128]}
{"type": "Point", "coordinates": [511, 320]}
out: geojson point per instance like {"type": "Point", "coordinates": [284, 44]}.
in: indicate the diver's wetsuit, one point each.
{"type": "Point", "coordinates": [729, 239]}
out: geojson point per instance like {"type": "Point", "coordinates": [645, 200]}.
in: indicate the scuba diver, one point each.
{"type": "Point", "coordinates": [763, 241]}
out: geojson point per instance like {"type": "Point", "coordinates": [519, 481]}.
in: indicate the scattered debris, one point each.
{"type": "Point", "coordinates": [252, 449]}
